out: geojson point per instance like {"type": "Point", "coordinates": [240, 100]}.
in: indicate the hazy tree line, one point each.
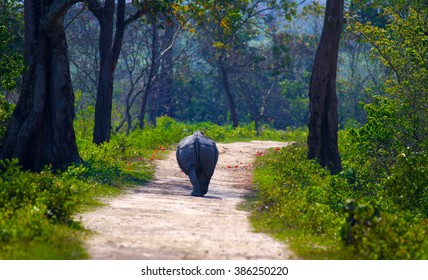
{"type": "Point", "coordinates": [168, 68]}
{"type": "Point", "coordinates": [269, 64]}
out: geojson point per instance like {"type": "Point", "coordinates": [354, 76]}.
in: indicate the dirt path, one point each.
{"type": "Point", "coordinates": [161, 220]}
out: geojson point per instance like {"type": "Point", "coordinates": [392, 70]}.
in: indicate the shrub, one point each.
{"type": "Point", "coordinates": [297, 193]}
{"type": "Point", "coordinates": [362, 213]}
{"type": "Point", "coordinates": [375, 234]}
{"type": "Point", "coordinates": [407, 184]}
{"type": "Point", "coordinates": [33, 208]}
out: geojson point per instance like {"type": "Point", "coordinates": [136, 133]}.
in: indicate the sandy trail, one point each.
{"type": "Point", "coordinates": [161, 220]}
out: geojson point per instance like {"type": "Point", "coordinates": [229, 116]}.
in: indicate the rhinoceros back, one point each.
{"type": "Point", "coordinates": [199, 151]}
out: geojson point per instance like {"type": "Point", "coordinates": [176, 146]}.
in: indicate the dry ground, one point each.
{"type": "Point", "coordinates": [161, 220]}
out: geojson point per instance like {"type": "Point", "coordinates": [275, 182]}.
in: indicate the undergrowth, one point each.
{"type": "Point", "coordinates": [365, 212]}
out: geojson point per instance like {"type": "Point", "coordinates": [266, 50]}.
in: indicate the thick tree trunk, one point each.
{"type": "Point", "coordinates": [323, 119]}
{"type": "Point", "coordinates": [40, 130]}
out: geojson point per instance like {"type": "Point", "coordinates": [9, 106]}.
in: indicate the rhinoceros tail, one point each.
{"type": "Point", "coordinates": [197, 147]}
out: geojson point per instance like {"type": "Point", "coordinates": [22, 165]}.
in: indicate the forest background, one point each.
{"type": "Point", "coordinates": [237, 71]}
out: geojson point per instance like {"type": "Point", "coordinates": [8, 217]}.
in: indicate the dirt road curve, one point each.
{"type": "Point", "coordinates": [161, 220]}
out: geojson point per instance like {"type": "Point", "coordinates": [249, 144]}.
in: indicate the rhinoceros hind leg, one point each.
{"type": "Point", "coordinates": [205, 187]}
{"type": "Point", "coordinates": [195, 182]}
{"type": "Point", "coordinates": [204, 181]}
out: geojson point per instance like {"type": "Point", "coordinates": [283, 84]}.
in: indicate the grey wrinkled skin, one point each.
{"type": "Point", "coordinates": [197, 156]}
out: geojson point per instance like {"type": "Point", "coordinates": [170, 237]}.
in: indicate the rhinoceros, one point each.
{"type": "Point", "coordinates": [197, 157]}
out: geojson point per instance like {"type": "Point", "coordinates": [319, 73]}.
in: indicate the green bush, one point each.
{"type": "Point", "coordinates": [101, 162]}
{"type": "Point", "coordinates": [297, 194]}
{"type": "Point", "coordinates": [376, 234]}
{"type": "Point", "coordinates": [6, 110]}
{"type": "Point", "coordinates": [33, 207]}
{"type": "Point", "coordinates": [365, 212]}
{"type": "Point", "coordinates": [407, 185]}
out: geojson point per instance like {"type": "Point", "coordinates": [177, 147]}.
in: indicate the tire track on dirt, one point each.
{"type": "Point", "coordinates": [160, 220]}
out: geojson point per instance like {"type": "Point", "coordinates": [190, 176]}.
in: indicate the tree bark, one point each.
{"type": "Point", "coordinates": [232, 105]}
{"type": "Point", "coordinates": [109, 55]}
{"type": "Point", "coordinates": [167, 75]}
{"type": "Point", "coordinates": [323, 120]}
{"type": "Point", "coordinates": [40, 130]}
{"type": "Point", "coordinates": [103, 105]}
{"type": "Point", "coordinates": [154, 66]}
{"type": "Point", "coordinates": [162, 97]}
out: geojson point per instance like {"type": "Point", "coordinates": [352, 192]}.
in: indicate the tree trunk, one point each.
{"type": "Point", "coordinates": [103, 105]}
{"type": "Point", "coordinates": [40, 130]}
{"type": "Point", "coordinates": [152, 73]}
{"type": "Point", "coordinates": [162, 101]}
{"type": "Point", "coordinates": [167, 77]}
{"type": "Point", "coordinates": [229, 95]}
{"type": "Point", "coordinates": [323, 119]}
{"type": "Point", "coordinates": [109, 55]}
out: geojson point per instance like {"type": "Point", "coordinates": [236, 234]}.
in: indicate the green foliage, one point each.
{"type": "Point", "coordinates": [402, 47]}
{"type": "Point", "coordinates": [383, 189]}
{"type": "Point", "coordinates": [295, 198]}
{"type": "Point", "coordinates": [153, 6]}
{"type": "Point", "coordinates": [100, 162]}
{"type": "Point", "coordinates": [393, 187]}
{"type": "Point", "coordinates": [11, 61]}
{"type": "Point", "coordinates": [376, 139]}
{"type": "Point", "coordinates": [35, 212]}
{"type": "Point", "coordinates": [169, 132]}
{"type": "Point", "coordinates": [224, 19]}
{"type": "Point", "coordinates": [407, 184]}
{"type": "Point", "coordinates": [6, 110]}
{"type": "Point", "coordinates": [374, 234]}
{"type": "Point", "coordinates": [295, 92]}
{"type": "Point", "coordinates": [84, 120]}
{"type": "Point", "coordinates": [122, 160]}
{"type": "Point", "coordinates": [37, 209]}
{"type": "Point", "coordinates": [374, 209]}
{"type": "Point", "coordinates": [382, 164]}
{"type": "Point", "coordinates": [232, 48]}
{"type": "Point", "coordinates": [43, 191]}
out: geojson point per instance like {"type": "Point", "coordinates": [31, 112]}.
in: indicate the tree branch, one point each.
{"type": "Point", "coordinates": [75, 16]}
{"type": "Point", "coordinates": [134, 17]}
{"type": "Point", "coordinates": [95, 8]}
{"type": "Point", "coordinates": [174, 39]}
{"type": "Point", "coordinates": [56, 10]}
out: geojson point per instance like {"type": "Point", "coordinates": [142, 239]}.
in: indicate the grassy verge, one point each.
{"type": "Point", "coordinates": [363, 213]}
{"type": "Point", "coordinates": [37, 210]}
